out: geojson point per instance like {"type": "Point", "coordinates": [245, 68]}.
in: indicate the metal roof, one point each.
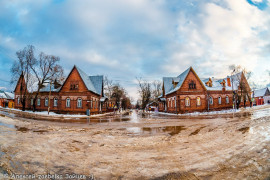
{"type": "Point", "coordinates": [180, 80]}
{"type": "Point", "coordinates": [261, 92]}
{"type": "Point", "coordinates": [93, 83]}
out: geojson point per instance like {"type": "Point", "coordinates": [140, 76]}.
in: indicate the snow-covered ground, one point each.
{"type": "Point", "coordinates": [228, 111]}
{"type": "Point", "coordinates": [45, 113]}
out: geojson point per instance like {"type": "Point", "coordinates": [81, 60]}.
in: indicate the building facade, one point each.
{"type": "Point", "coordinates": [78, 93]}
{"type": "Point", "coordinates": [261, 96]}
{"type": "Point", "coordinates": [188, 93]}
{"type": "Point", "coordinates": [6, 99]}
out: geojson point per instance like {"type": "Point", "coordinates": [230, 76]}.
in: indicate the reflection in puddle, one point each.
{"type": "Point", "coordinates": [172, 130]}
{"type": "Point", "coordinates": [7, 125]}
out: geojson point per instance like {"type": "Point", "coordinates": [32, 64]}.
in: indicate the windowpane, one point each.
{"type": "Point", "coordinates": [55, 102]}
{"type": "Point", "coordinates": [219, 100]}
{"type": "Point", "coordinates": [38, 101]}
{"type": "Point", "coordinates": [187, 101]}
{"type": "Point", "coordinates": [46, 101]}
{"type": "Point", "coordinates": [198, 101]}
{"type": "Point", "coordinates": [68, 102]}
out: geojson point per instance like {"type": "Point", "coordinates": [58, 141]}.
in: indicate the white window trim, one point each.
{"type": "Point", "coordinates": [46, 102]}
{"type": "Point", "coordinates": [68, 102]}
{"type": "Point", "coordinates": [79, 102]}
{"type": "Point", "coordinates": [219, 100]}
{"type": "Point", "coordinates": [38, 102]}
{"type": "Point", "coordinates": [55, 102]}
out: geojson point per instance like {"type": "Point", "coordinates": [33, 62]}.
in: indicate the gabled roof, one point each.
{"type": "Point", "coordinates": [260, 92]}
{"type": "Point", "coordinates": [87, 81]}
{"type": "Point", "coordinates": [180, 79]}
{"type": "Point", "coordinates": [6, 95]}
{"type": "Point", "coordinates": [97, 81]}
{"type": "Point", "coordinates": [93, 83]}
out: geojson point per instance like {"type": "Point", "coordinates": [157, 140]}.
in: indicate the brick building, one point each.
{"type": "Point", "coordinates": [75, 95]}
{"type": "Point", "coordinates": [189, 93]}
{"type": "Point", "coordinates": [261, 96]}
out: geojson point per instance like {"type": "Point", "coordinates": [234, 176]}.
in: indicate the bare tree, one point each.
{"type": "Point", "coordinates": [46, 69]}
{"type": "Point", "coordinates": [144, 92]}
{"type": "Point", "coordinates": [108, 87]}
{"type": "Point", "coordinates": [243, 90]}
{"type": "Point", "coordinates": [156, 91]}
{"type": "Point", "coordinates": [21, 70]}
{"type": "Point", "coordinates": [34, 71]}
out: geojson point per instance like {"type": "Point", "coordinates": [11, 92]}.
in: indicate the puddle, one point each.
{"type": "Point", "coordinates": [244, 130]}
{"type": "Point", "coordinates": [40, 131]}
{"type": "Point", "coordinates": [7, 125]}
{"type": "Point", "coordinates": [172, 130]}
{"type": "Point", "coordinates": [197, 131]}
{"type": "Point", "coordinates": [22, 129]}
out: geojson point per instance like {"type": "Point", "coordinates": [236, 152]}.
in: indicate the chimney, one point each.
{"type": "Point", "coordinates": [228, 81]}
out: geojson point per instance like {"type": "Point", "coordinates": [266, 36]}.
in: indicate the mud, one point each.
{"type": "Point", "coordinates": [150, 147]}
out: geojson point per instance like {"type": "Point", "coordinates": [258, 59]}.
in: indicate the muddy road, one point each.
{"type": "Point", "coordinates": [138, 146]}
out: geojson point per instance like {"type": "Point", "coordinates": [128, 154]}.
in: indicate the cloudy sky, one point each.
{"type": "Point", "coordinates": [125, 39]}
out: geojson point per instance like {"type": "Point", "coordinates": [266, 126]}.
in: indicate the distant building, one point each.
{"type": "Point", "coordinates": [6, 99]}
{"type": "Point", "coordinates": [262, 96]}
{"type": "Point", "coordinates": [189, 93]}
{"type": "Point", "coordinates": [78, 93]}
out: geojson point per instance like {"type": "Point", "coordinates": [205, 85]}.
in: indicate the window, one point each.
{"type": "Point", "coordinates": [210, 100]}
{"type": "Point", "coordinates": [192, 85]}
{"type": "Point", "coordinates": [55, 102]}
{"type": "Point", "coordinates": [79, 103]}
{"type": "Point", "coordinates": [74, 85]}
{"type": "Point", "coordinates": [32, 101]}
{"type": "Point", "coordinates": [92, 104]}
{"type": "Point", "coordinates": [171, 102]}
{"type": "Point", "coordinates": [68, 102]}
{"type": "Point", "coordinates": [18, 100]}
{"type": "Point", "coordinates": [46, 101]}
{"type": "Point", "coordinates": [187, 101]}
{"type": "Point", "coordinates": [198, 101]}
{"type": "Point", "coordinates": [227, 99]}
{"type": "Point", "coordinates": [219, 100]}
{"type": "Point", "coordinates": [38, 101]}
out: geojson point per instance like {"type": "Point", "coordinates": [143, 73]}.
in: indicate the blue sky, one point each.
{"type": "Point", "coordinates": [125, 39]}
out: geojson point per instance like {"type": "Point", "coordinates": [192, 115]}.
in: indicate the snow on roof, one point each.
{"type": "Point", "coordinates": [6, 95]}
{"type": "Point", "coordinates": [3, 96]}
{"type": "Point", "coordinates": [260, 92]}
{"type": "Point", "coordinates": [93, 83]}
{"type": "Point", "coordinates": [9, 95]}
{"type": "Point", "coordinates": [47, 88]}
{"type": "Point", "coordinates": [180, 79]}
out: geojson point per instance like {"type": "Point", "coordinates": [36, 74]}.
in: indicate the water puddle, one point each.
{"type": "Point", "coordinates": [196, 131]}
{"type": "Point", "coordinates": [244, 130]}
{"type": "Point", "coordinates": [22, 129]}
{"type": "Point", "coordinates": [172, 130]}
{"type": "Point", "coordinates": [7, 125]}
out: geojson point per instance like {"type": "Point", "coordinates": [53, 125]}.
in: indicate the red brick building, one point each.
{"type": "Point", "coordinates": [189, 93]}
{"type": "Point", "coordinates": [77, 93]}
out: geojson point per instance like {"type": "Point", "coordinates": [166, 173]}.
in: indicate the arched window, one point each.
{"type": "Point", "coordinates": [55, 102]}
{"type": "Point", "coordinates": [227, 100]}
{"type": "Point", "coordinates": [79, 103]}
{"type": "Point", "coordinates": [187, 101]}
{"type": "Point", "coordinates": [219, 100]}
{"type": "Point", "coordinates": [210, 100]}
{"type": "Point", "coordinates": [38, 101]}
{"type": "Point", "coordinates": [198, 101]}
{"type": "Point", "coordinates": [46, 101]}
{"type": "Point", "coordinates": [68, 102]}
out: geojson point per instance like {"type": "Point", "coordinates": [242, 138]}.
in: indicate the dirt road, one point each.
{"type": "Point", "coordinates": [134, 146]}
